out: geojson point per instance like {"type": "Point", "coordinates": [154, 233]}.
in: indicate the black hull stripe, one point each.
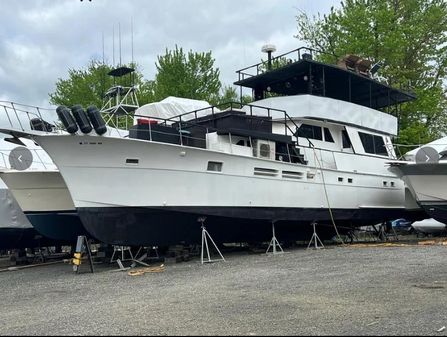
{"type": "Point", "coordinates": [140, 226]}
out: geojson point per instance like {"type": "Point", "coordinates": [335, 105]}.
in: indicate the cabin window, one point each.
{"type": "Point", "coordinates": [310, 131]}
{"type": "Point", "coordinates": [373, 144]}
{"type": "Point", "coordinates": [328, 136]}
{"type": "Point", "coordinates": [214, 166]}
{"type": "Point", "coordinates": [243, 142]}
{"type": "Point", "coordinates": [379, 146]}
{"type": "Point", "coordinates": [346, 140]}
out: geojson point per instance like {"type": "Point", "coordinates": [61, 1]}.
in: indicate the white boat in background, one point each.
{"type": "Point", "coordinates": [314, 152]}
{"type": "Point", "coordinates": [35, 182]}
{"type": "Point", "coordinates": [429, 226]}
{"type": "Point", "coordinates": [15, 230]}
{"type": "Point", "coordinates": [425, 173]}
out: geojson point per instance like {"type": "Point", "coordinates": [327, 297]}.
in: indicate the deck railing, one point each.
{"type": "Point", "coordinates": [19, 116]}
{"type": "Point", "coordinates": [290, 57]}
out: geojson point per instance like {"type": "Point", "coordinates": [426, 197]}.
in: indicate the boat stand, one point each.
{"type": "Point", "coordinates": [82, 246]}
{"type": "Point", "coordinates": [315, 238]}
{"type": "Point", "coordinates": [139, 260]}
{"type": "Point", "coordinates": [148, 253]}
{"type": "Point", "coordinates": [122, 250]}
{"type": "Point", "coordinates": [205, 237]}
{"type": "Point", "coordinates": [274, 243]}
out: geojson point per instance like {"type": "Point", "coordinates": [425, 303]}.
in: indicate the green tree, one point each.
{"type": "Point", "coordinates": [189, 75]}
{"type": "Point", "coordinates": [276, 63]}
{"type": "Point", "coordinates": [87, 86]}
{"type": "Point", "coordinates": [228, 94]}
{"type": "Point", "coordinates": [409, 38]}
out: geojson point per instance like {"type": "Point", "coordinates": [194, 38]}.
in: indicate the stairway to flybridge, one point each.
{"type": "Point", "coordinates": [121, 100]}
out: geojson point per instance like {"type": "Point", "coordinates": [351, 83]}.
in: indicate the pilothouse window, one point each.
{"type": "Point", "coordinates": [328, 136]}
{"type": "Point", "coordinates": [373, 144]}
{"type": "Point", "coordinates": [310, 131]}
{"type": "Point", "coordinates": [346, 140]}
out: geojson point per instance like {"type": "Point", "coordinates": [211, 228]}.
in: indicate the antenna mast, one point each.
{"type": "Point", "coordinates": [131, 32]}
{"type": "Point", "coordinates": [119, 39]}
{"type": "Point", "coordinates": [120, 99]}
{"type": "Point", "coordinates": [103, 52]}
{"type": "Point", "coordinates": [113, 47]}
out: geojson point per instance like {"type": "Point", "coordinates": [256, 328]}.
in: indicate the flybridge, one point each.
{"type": "Point", "coordinates": [305, 75]}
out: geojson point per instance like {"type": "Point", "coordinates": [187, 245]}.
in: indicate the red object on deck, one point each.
{"type": "Point", "coordinates": [146, 121]}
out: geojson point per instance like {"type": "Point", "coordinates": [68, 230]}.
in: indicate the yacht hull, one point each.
{"type": "Point", "coordinates": [133, 192]}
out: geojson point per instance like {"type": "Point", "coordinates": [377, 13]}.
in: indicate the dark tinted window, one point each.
{"type": "Point", "coordinates": [346, 140]}
{"type": "Point", "coordinates": [310, 131]}
{"type": "Point", "coordinates": [379, 146]}
{"type": "Point", "coordinates": [373, 144]}
{"type": "Point", "coordinates": [328, 136]}
{"type": "Point", "coordinates": [214, 166]}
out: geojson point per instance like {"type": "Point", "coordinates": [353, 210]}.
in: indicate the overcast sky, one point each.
{"type": "Point", "coordinates": [42, 39]}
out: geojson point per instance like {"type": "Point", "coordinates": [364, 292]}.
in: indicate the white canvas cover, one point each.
{"type": "Point", "coordinates": [302, 106]}
{"type": "Point", "coordinates": [174, 106]}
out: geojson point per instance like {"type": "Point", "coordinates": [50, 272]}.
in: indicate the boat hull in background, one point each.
{"type": "Point", "coordinates": [46, 201]}
{"type": "Point", "coordinates": [15, 230]}
{"type": "Point", "coordinates": [428, 184]}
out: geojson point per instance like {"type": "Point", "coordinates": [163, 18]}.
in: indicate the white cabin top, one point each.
{"type": "Point", "coordinates": [324, 108]}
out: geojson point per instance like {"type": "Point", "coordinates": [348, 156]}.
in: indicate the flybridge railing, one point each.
{"type": "Point", "coordinates": [282, 60]}
{"type": "Point", "coordinates": [20, 116]}
{"type": "Point", "coordinates": [277, 115]}
{"type": "Point", "coordinates": [183, 122]}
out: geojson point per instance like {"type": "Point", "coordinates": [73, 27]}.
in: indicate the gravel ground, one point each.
{"type": "Point", "coordinates": [342, 291]}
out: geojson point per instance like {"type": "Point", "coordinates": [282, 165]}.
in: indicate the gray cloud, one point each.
{"type": "Point", "coordinates": [41, 40]}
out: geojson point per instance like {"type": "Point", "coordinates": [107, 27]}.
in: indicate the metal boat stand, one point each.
{"type": "Point", "coordinates": [146, 255]}
{"type": "Point", "coordinates": [122, 250]}
{"type": "Point", "coordinates": [135, 260]}
{"type": "Point", "coordinates": [82, 246]}
{"type": "Point", "coordinates": [205, 236]}
{"type": "Point", "coordinates": [274, 242]}
{"type": "Point", "coordinates": [315, 238]}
